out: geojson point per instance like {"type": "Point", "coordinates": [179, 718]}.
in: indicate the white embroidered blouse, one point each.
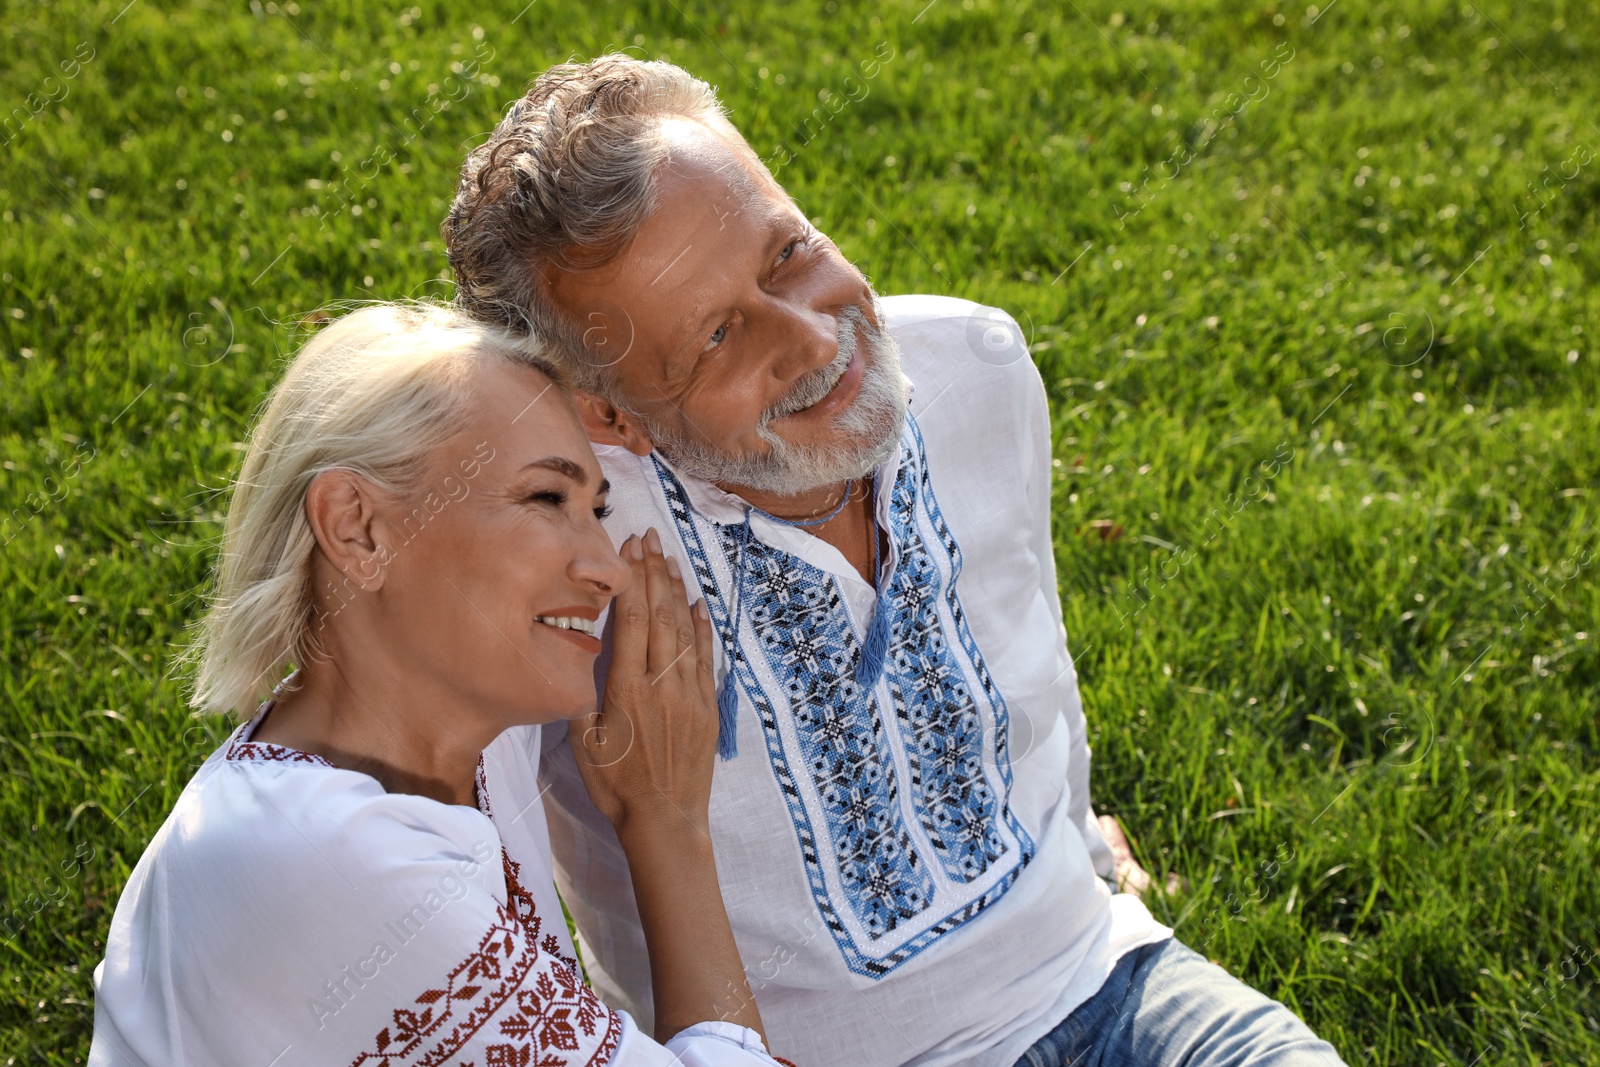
{"type": "Point", "coordinates": [290, 912]}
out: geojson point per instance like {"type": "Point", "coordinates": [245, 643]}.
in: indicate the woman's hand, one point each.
{"type": "Point", "coordinates": [646, 756]}
{"type": "Point", "coordinates": [646, 760]}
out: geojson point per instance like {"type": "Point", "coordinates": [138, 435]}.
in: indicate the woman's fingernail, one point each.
{"type": "Point", "coordinates": [634, 548]}
{"type": "Point", "coordinates": [672, 567]}
{"type": "Point", "coordinates": [653, 539]}
{"type": "Point", "coordinates": [701, 610]}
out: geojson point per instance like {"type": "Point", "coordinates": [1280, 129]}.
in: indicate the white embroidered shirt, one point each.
{"type": "Point", "coordinates": [911, 866]}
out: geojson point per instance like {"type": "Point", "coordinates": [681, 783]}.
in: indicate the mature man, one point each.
{"type": "Point", "coordinates": [861, 491]}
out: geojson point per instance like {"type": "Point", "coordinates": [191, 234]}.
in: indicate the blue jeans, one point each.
{"type": "Point", "coordinates": [1165, 1005]}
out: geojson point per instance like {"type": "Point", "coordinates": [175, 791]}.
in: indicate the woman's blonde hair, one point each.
{"type": "Point", "coordinates": [375, 392]}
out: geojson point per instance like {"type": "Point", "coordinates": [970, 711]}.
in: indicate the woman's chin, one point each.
{"type": "Point", "coordinates": [581, 710]}
{"type": "Point", "coordinates": [549, 703]}
{"type": "Point", "coordinates": [575, 704]}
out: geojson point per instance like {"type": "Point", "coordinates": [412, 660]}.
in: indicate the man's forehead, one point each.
{"type": "Point", "coordinates": [704, 206]}
{"type": "Point", "coordinates": [710, 174]}
{"type": "Point", "coordinates": [713, 202]}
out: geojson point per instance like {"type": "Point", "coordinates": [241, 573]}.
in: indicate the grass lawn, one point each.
{"type": "Point", "coordinates": [1312, 291]}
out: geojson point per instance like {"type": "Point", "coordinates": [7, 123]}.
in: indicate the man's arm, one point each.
{"type": "Point", "coordinates": [1040, 471]}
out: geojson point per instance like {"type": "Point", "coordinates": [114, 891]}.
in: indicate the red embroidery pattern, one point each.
{"type": "Point", "coordinates": [244, 750]}
{"type": "Point", "coordinates": [518, 898]}
{"type": "Point", "coordinates": [550, 1017]}
{"type": "Point", "coordinates": [261, 752]}
{"type": "Point", "coordinates": [538, 1002]}
{"type": "Point", "coordinates": [520, 901]}
{"type": "Point", "coordinates": [480, 786]}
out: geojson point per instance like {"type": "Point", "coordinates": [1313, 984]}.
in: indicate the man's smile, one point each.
{"type": "Point", "coordinates": [838, 398]}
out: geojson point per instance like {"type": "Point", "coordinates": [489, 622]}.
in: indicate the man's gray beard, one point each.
{"type": "Point", "coordinates": [865, 434]}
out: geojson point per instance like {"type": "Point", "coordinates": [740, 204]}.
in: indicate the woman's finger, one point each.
{"type": "Point", "coordinates": [630, 613]}
{"type": "Point", "coordinates": [684, 658]}
{"type": "Point", "coordinates": [705, 667]}
{"type": "Point", "coordinates": [663, 615]}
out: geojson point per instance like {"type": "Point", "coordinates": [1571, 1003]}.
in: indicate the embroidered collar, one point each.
{"type": "Point", "coordinates": [480, 788]}
{"type": "Point", "coordinates": [243, 750]}
{"type": "Point", "coordinates": [896, 769]}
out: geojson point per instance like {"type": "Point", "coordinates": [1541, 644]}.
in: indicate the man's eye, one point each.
{"type": "Point", "coordinates": [718, 337]}
{"type": "Point", "coordinates": [788, 250]}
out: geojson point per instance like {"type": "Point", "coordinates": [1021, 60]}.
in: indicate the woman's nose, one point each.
{"type": "Point", "coordinates": [598, 565]}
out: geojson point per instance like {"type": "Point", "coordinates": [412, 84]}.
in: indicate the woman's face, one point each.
{"type": "Point", "coordinates": [497, 565]}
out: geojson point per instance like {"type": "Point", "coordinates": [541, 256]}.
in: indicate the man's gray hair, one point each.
{"type": "Point", "coordinates": [566, 181]}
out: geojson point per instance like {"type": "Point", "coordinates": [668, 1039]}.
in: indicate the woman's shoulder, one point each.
{"type": "Point", "coordinates": [304, 892]}
{"type": "Point", "coordinates": [263, 849]}
{"type": "Point", "coordinates": [281, 813]}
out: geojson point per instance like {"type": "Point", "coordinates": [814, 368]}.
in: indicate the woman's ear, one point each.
{"type": "Point", "coordinates": [607, 424]}
{"type": "Point", "coordinates": [342, 510]}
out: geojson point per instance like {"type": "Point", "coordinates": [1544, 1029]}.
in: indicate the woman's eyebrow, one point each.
{"type": "Point", "coordinates": [561, 465]}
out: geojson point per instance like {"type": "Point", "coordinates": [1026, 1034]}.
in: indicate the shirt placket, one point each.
{"type": "Point", "coordinates": [861, 601]}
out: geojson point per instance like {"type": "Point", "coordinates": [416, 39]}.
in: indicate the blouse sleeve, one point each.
{"type": "Point", "coordinates": [717, 1044]}
{"type": "Point", "coordinates": [515, 999]}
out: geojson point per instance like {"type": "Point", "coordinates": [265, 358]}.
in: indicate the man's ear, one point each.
{"type": "Point", "coordinates": [607, 424]}
{"type": "Point", "coordinates": [342, 509]}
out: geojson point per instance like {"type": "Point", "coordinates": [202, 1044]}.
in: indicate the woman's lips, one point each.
{"type": "Point", "coordinates": [573, 623]}
{"type": "Point", "coordinates": [577, 637]}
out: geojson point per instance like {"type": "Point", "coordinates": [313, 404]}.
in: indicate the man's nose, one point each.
{"type": "Point", "coordinates": [811, 335]}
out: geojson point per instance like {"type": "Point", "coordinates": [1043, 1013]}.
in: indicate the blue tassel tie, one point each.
{"type": "Point", "coordinates": [728, 718]}
{"type": "Point", "coordinates": [875, 649]}
{"type": "Point", "coordinates": [728, 692]}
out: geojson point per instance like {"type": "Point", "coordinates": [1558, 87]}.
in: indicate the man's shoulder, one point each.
{"type": "Point", "coordinates": [950, 343]}
{"type": "Point", "coordinates": [630, 476]}
{"type": "Point", "coordinates": [944, 316]}
{"type": "Point", "coordinates": [910, 307]}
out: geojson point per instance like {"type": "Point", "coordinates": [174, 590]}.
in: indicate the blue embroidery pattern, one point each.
{"type": "Point", "coordinates": [895, 857]}
{"type": "Point", "coordinates": [805, 633]}
{"type": "Point", "coordinates": [933, 702]}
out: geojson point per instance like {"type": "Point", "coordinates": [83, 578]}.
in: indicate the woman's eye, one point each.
{"type": "Point", "coordinates": [603, 512]}
{"type": "Point", "coordinates": [547, 496]}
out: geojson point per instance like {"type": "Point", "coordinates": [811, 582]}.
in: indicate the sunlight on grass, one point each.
{"type": "Point", "coordinates": [1312, 292]}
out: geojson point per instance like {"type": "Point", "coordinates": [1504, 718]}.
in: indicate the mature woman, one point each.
{"type": "Point", "coordinates": [416, 530]}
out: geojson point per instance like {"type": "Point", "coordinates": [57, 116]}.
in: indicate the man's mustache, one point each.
{"type": "Point", "coordinates": [819, 383]}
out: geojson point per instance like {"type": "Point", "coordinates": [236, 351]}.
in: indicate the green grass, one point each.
{"type": "Point", "coordinates": [1355, 707]}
